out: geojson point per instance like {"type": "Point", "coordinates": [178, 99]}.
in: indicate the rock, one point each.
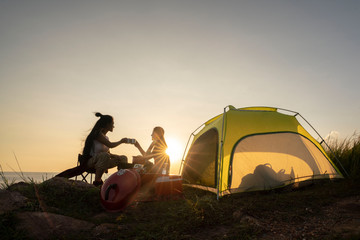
{"type": "Point", "coordinates": [43, 225]}
{"type": "Point", "coordinates": [105, 229]}
{"type": "Point", "coordinates": [10, 201]}
{"type": "Point", "coordinates": [19, 187]}
{"type": "Point", "coordinates": [64, 182]}
{"type": "Point", "coordinates": [105, 216]}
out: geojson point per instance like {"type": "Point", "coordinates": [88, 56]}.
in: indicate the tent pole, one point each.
{"type": "Point", "coordinates": [323, 141]}
{"type": "Point", "coordinates": [221, 155]}
{"type": "Point", "coordinates": [187, 144]}
{"type": "Point", "coordinates": [183, 157]}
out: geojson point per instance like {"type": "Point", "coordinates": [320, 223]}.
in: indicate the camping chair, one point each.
{"type": "Point", "coordinates": [88, 171]}
{"type": "Point", "coordinates": [80, 170]}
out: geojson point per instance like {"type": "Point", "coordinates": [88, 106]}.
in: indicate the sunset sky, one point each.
{"type": "Point", "coordinates": [167, 63]}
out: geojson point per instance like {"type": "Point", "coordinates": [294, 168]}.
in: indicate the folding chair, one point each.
{"type": "Point", "coordinates": [88, 171]}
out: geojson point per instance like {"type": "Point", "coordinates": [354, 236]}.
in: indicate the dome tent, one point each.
{"type": "Point", "coordinates": [254, 148]}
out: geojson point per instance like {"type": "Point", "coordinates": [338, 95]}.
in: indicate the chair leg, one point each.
{"type": "Point", "coordinates": [84, 177]}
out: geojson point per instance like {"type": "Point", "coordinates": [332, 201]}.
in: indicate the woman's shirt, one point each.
{"type": "Point", "coordinates": [98, 147]}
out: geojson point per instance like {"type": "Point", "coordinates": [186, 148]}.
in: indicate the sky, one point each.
{"type": "Point", "coordinates": [167, 63]}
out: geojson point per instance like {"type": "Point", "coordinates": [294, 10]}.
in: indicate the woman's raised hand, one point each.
{"type": "Point", "coordinates": [137, 144]}
{"type": "Point", "coordinates": [124, 140]}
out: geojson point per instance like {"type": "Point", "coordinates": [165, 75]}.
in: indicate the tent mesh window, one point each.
{"type": "Point", "coordinates": [272, 160]}
{"type": "Point", "coordinates": [200, 167]}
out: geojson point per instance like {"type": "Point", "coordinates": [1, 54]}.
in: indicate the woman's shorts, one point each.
{"type": "Point", "coordinates": [106, 160]}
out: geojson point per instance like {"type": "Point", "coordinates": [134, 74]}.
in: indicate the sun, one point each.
{"type": "Point", "coordinates": [174, 150]}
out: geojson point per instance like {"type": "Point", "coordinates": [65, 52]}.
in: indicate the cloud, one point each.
{"type": "Point", "coordinates": [332, 136]}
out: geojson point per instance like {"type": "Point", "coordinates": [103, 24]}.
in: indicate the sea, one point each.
{"type": "Point", "coordinates": [15, 177]}
{"type": "Point", "coordinates": [37, 177]}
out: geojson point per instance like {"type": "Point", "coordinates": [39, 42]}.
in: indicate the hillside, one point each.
{"type": "Point", "coordinates": [65, 209]}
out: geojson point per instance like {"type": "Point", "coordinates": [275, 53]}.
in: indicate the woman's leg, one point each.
{"type": "Point", "coordinates": [119, 161]}
{"type": "Point", "coordinates": [98, 174]}
{"type": "Point", "coordinates": [100, 165]}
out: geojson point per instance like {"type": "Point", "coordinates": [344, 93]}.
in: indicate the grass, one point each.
{"type": "Point", "coordinates": [345, 154]}
{"type": "Point", "coordinates": [8, 229]}
{"type": "Point", "coordinates": [5, 182]}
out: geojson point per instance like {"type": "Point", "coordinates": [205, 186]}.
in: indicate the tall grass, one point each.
{"type": "Point", "coordinates": [6, 183]}
{"type": "Point", "coordinates": [345, 154]}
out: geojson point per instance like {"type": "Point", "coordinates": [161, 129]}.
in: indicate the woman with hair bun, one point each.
{"type": "Point", "coordinates": [96, 152]}
{"type": "Point", "coordinates": [157, 151]}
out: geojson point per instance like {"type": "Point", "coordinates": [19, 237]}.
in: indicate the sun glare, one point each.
{"type": "Point", "coordinates": [174, 149]}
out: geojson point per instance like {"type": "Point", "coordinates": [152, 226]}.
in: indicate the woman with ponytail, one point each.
{"type": "Point", "coordinates": [96, 152]}
{"type": "Point", "coordinates": [157, 151]}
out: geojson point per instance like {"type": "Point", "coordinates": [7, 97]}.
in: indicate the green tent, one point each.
{"type": "Point", "coordinates": [255, 148]}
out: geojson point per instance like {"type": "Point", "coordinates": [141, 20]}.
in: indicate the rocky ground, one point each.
{"type": "Point", "coordinates": [66, 209]}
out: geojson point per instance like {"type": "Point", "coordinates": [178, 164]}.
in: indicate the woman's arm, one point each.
{"type": "Point", "coordinates": [102, 139]}
{"type": "Point", "coordinates": [145, 155]}
{"type": "Point", "coordinates": [144, 158]}
{"type": "Point", "coordinates": [150, 148]}
{"type": "Point", "coordinates": [137, 144]}
{"type": "Point", "coordinates": [148, 152]}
